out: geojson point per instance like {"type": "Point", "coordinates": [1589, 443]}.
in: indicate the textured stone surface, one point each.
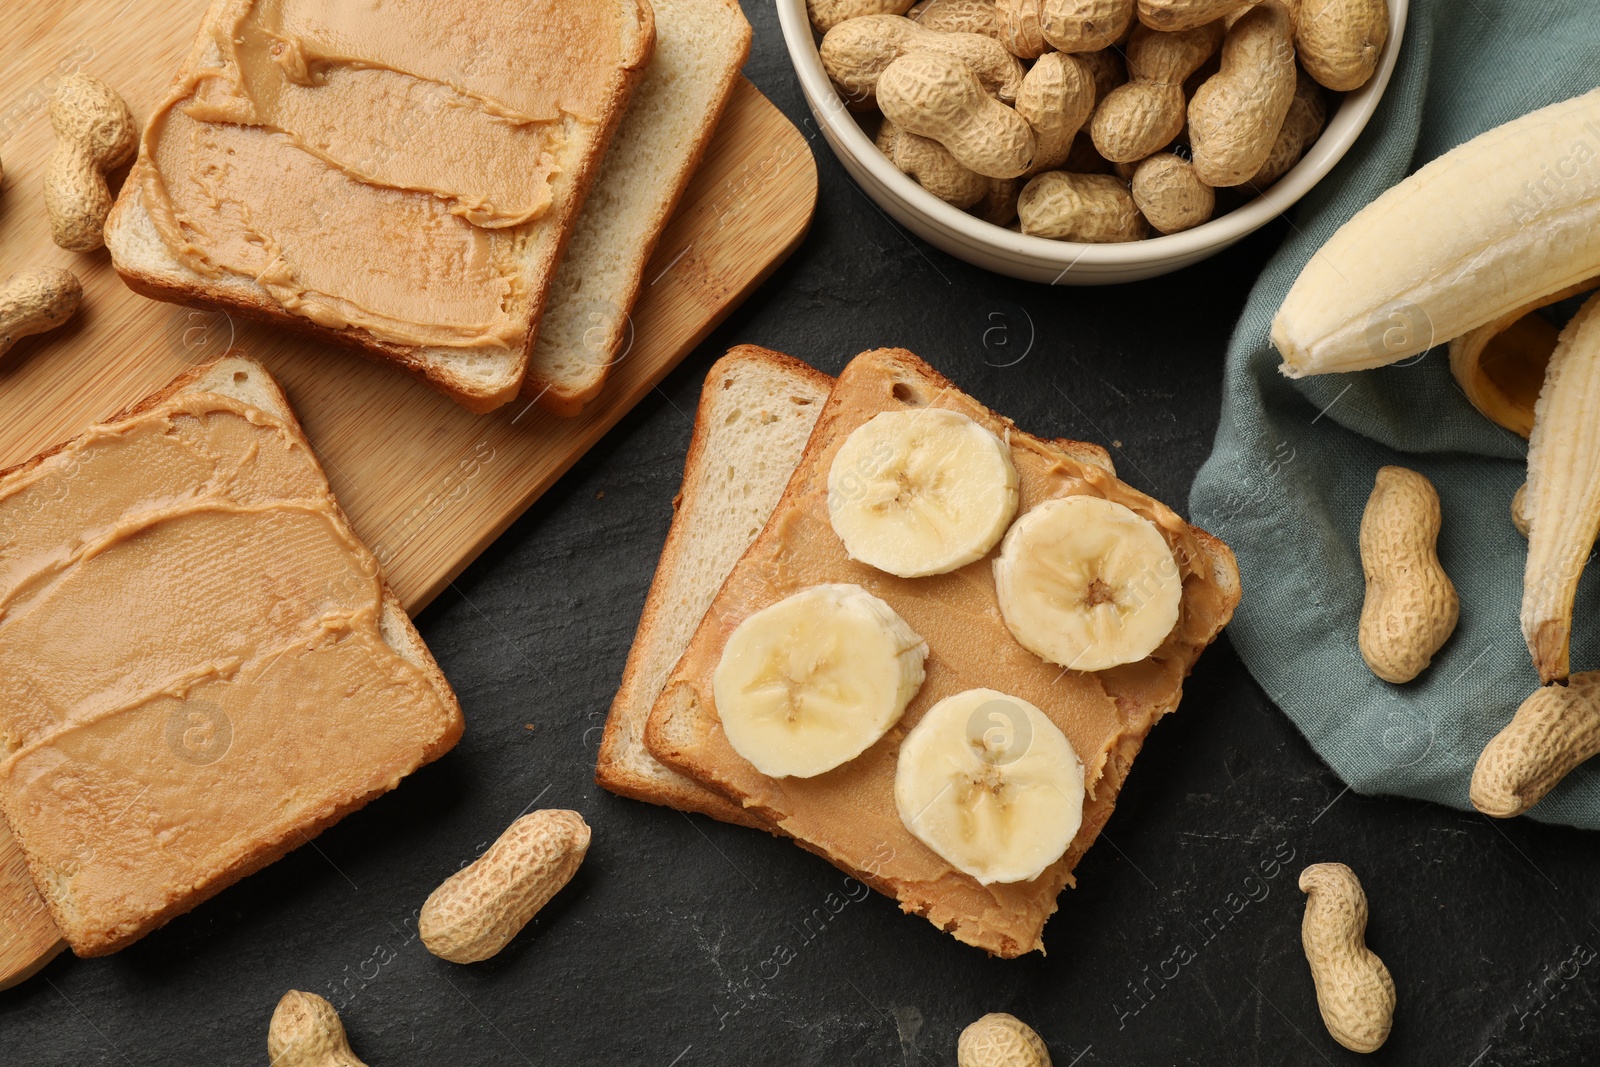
{"type": "Point", "coordinates": [686, 942]}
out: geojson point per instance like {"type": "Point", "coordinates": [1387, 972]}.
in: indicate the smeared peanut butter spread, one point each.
{"type": "Point", "coordinates": [848, 815]}
{"type": "Point", "coordinates": [368, 162]}
{"type": "Point", "coordinates": [193, 664]}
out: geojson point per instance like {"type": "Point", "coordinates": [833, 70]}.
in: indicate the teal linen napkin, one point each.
{"type": "Point", "coordinates": [1294, 461]}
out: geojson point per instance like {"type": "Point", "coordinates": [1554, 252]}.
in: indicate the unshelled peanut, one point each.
{"type": "Point", "coordinates": [1170, 195]}
{"type": "Point", "coordinates": [932, 165]}
{"type": "Point", "coordinates": [1142, 117]}
{"type": "Point", "coordinates": [958, 16]}
{"type": "Point", "coordinates": [1001, 1040]}
{"type": "Point", "coordinates": [1085, 25]}
{"type": "Point", "coordinates": [306, 1032]}
{"type": "Point", "coordinates": [1411, 606]}
{"type": "Point", "coordinates": [1354, 989]}
{"type": "Point", "coordinates": [1056, 99]}
{"type": "Point", "coordinates": [478, 910]}
{"type": "Point", "coordinates": [1095, 208]}
{"type": "Point", "coordinates": [34, 301]}
{"type": "Point", "coordinates": [1022, 27]}
{"type": "Point", "coordinates": [94, 134]}
{"type": "Point", "coordinates": [1301, 128]}
{"type": "Point", "coordinates": [856, 53]}
{"type": "Point", "coordinates": [826, 14]}
{"type": "Point", "coordinates": [1235, 116]}
{"type": "Point", "coordinates": [935, 95]}
{"type": "Point", "coordinates": [1553, 731]}
{"type": "Point", "coordinates": [1170, 15]}
{"type": "Point", "coordinates": [1339, 41]}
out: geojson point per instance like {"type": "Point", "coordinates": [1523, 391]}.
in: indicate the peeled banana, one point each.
{"type": "Point", "coordinates": [1562, 503]}
{"type": "Point", "coordinates": [1087, 583]}
{"type": "Point", "coordinates": [814, 680]}
{"type": "Point", "coordinates": [989, 783]}
{"type": "Point", "coordinates": [921, 492]}
{"type": "Point", "coordinates": [1501, 221]}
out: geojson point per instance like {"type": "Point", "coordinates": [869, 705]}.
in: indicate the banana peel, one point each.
{"type": "Point", "coordinates": [1500, 366]}
{"type": "Point", "coordinates": [1562, 502]}
{"type": "Point", "coordinates": [1509, 218]}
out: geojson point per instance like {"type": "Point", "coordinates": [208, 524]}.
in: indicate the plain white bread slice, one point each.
{"type": "Point", "coordinates": [700, 46]}
{"type": "Point", "coordinates": [755, 416]}
{"type": "Point", "coordinates": [479, 380]}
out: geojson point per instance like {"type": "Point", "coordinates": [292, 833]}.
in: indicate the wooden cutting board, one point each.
{"type": "Point", "coordinates": [426, 484]}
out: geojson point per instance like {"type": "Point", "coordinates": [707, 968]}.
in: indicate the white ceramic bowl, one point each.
{"type": "Point", "coordinates": [1064, 262]}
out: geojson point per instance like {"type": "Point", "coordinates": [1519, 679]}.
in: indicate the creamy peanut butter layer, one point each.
{"type": "Point", "coordinates": [242, 200]}
{"type": "Point", "coordinates": [193, 662]}
{"type": "Point", "coordinates": [530, 56]}
{"type": "Point", "coordinates": [358, 160]}
{"type": "Point", "coordinates": [848, 815]}
{"type": "Point", "coordinates": [382, 123]}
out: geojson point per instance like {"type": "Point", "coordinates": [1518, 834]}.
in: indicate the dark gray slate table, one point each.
{"type": "Point", "coordinates": [686, 943]}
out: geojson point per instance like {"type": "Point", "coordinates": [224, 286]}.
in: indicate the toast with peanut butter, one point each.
{"type": "Point", "coordinates": [756, 412]}
{"type": "Point", "coordinates": [204, 667]}
{"type": "Point", "coordinates": [401, 181]}
{"type": "Point", "coordinates": [849, 814]}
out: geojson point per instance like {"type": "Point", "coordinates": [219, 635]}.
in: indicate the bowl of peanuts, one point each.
{"type": "Point", "coordinates": [1088, 142]}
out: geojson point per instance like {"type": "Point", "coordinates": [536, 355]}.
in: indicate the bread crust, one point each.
{"type": "Point", "coordinates": [255, 305]}
{"type": "Point", "coordinates": [612, 769]}
{"type": "Point", "coordinates": [677, 726]}
{"type": "Point", "coordinates": [100, 943]}
{"type": "Point", "coordinates": [569, 402]}
{"type": "Point", "coordinates": [248, 305]}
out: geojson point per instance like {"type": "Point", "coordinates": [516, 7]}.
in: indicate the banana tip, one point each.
{"type": "Point", "coordinates": [1294, 357]}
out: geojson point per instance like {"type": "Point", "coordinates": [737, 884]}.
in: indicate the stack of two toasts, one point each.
{"type": "Point", "coordinates": [753, 525]}
{"type": "Point", "coordinates": [470, 192]}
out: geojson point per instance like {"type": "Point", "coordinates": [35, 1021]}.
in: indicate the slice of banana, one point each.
{"type": "Point", "coordinates": [991, 785]}
{"type": "Point", "coordinates": [1087, 583]}
{"type": "Point", "coordinates": [812, 681]}
{"type": "Point", "coordinates": [921, 492]}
